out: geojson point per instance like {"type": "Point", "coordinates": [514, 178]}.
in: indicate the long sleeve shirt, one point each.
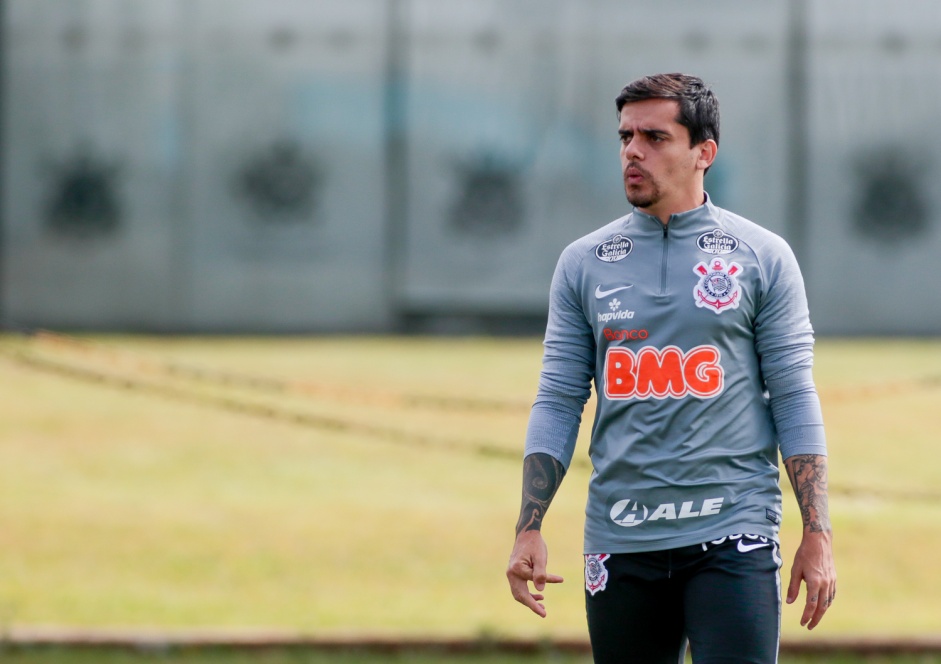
{"type": "Point", "coordinates": [696, 335]}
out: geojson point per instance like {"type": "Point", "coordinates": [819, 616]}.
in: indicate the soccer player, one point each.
{"type": "Point", "coordinates": [693, 324]}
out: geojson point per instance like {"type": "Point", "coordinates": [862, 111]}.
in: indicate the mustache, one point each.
{"type": "Point", "coordinates": [643, 171]}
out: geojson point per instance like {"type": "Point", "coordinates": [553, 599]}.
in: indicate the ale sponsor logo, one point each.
{"type": "Point", "coordinates": [629, 513]}
{"type": "Point", "coordinates": [717, 242]}
{"type": "Point", "coordinates": [654, 373]}
{"type": "Point", "coordinates": [615, 249]}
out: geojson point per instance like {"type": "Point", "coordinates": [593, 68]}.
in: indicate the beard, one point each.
{"type": "Point", "coordinates": [642, 199]}
{"type": "Point", "coordinates": [643, 195]}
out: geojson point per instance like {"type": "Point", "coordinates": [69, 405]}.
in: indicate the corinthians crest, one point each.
{"type": "Point", "coordinates": [596, 575]}
{"type": "Point", "coordinates": [717, 289]}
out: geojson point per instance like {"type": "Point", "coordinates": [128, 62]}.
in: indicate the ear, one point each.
{"type": "Point", "coordinates": [707, 153]}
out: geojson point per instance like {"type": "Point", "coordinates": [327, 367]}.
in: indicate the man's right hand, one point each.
{"type": "Point", "coordinates": [528, 563]}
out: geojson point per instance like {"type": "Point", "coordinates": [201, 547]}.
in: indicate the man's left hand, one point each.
{"type": "Point", "coordinates": [813, 564]}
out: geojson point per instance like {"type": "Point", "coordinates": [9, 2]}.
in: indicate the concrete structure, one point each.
{"type": "Point", "coordinates": [374, 165]}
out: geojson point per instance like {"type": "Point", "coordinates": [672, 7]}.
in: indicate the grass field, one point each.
{"type": "Point", "coordinates": [371, 485]}
{"type": "Point", "coordinates": [57, 656]}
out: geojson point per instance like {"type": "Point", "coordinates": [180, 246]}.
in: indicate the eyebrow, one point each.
{"type": "Point", "coordinates": [650, 133]}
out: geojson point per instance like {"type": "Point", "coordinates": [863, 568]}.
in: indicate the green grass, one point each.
{"type": "Point", "coordinates": [105, 656]}
{"type": "Point", "coordinates": [390, 508]}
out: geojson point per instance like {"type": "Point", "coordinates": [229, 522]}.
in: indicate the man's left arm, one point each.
{"type": "Point", "coordinates": [784, 342]}
{"type": "Point", "coordinates": [813, 562]}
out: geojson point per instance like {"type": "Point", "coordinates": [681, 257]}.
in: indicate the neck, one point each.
{"type": "Point", "coordinates": [663, 210]}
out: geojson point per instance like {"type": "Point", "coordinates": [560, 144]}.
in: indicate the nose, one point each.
{"type": "Point", "coordinates": [631, 149]}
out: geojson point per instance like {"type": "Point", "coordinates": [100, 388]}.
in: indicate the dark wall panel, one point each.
{"type": "Point", "coordinates": [90, 163]}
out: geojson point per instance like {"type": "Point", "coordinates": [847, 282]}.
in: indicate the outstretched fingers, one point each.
{"type": "Point", "coordinates": [528, 563]}
{"type": "Point", "coordinates": [519, 574]}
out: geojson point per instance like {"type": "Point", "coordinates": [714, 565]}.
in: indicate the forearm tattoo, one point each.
{"type": "Point", "coordinates": [542, 475]}
{"type": "Point", "coordinates": [808, 474]}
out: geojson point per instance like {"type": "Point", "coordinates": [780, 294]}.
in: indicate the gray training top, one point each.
{"type": "Point", "coordinates": [698, 339]}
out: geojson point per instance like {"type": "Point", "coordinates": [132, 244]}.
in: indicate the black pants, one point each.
{"type": "Point", "coordinates": [722, 597]}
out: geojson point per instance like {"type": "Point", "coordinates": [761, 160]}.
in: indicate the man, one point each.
{"type": "Point", "coordinates": [693, 324]}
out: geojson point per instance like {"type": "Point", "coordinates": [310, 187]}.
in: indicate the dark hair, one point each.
{"type": "Point", "coordinates": [699, 108]}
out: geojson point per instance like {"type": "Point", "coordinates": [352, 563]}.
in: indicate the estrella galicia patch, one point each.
{"type": "Point", "coordinates": [596, 574]}
{"type": "Point", "coordinates": [717, 242]}
{"type": "Point", "coordinates": [614, 249]}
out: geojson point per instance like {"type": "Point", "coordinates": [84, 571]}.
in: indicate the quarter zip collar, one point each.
{"type": "Point", "coordinates": [705, 213]}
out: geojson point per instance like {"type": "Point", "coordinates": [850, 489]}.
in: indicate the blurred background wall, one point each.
{"type": "Point", "coordinates": [418, 165]}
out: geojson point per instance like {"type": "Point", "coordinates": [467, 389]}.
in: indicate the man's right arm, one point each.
{"type": "Point", "coordinates": [542, 475]}
{"type": "Point", "coordinates": [564, 387]}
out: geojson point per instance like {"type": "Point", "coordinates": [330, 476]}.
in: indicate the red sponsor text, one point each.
{"type": "Point", "coordinates": [624, 335]}
{"type": "Point", "coordinates": [662, 373]}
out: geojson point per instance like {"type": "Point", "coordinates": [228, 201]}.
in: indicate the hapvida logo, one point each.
{"type": "Point", "coordinates": [616, 314]}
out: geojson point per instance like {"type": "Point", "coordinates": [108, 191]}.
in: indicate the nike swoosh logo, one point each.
{"type": "Point", "coordinates": [745, 548]}
{"type": "Point", "coordinates": [605, 293]}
